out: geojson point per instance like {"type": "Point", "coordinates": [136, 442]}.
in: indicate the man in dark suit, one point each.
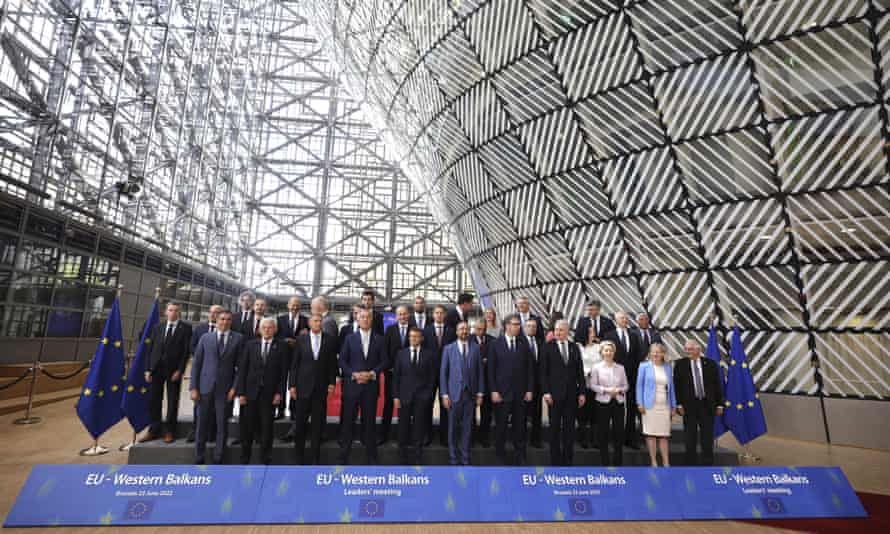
{"type": "Point", "coordinates": [562, 380]}
{"type": "Point", "coordinates": [313, 377]}
{"type": "Point", "coordinates": [290, 326]}
{"type": "Point", "coordinates": [351, 326]}
{"type": "Point", "coordinates": [213, 383]}
{"type": "Point", "coordinates": [593, 327]}
{"type": "Point", "coordinates": [629, 354]}
{"type": "Point", "coordinates": [261, 372]}
{"type": "Point", "coordinates": [321, 306]}
{"type": "Point", "coordinates": [395, 339]}
{"type": "Point", "coordinates": [435, 337]}
{"type": "Point", "coordinates": [461, 312]}
{"type": "Point", "coordinates": [368, 301]}
{"type": "Point", "coordinates": [251, 329]}
{"type": "Point", "coordinates": [414, 383]}
{"type": "Point", "coordinates": [460, 386]}
{"type": "Point", "coordinates": [484, 341]}
{"type": "Point", "coordinates": [198, 331]}
{"type": "Point", "coordinates": [170, 349]}
{"type": "Point", "coordinates": [510, 381]}
{"type": "Point", "coordinates": [536, 347]}
{"type": "Point", "coordinates": [523, 309]}
{"type": "Point", "coordinates": [699, 398]}
{"type": "Point", "coordinates": [419, 317]}
{"type": "Point", "coordinates": [245, 313]}
{"type": "Point", "coordinates": [648, 334]}
{"type": "Point", "coordinates": [362, 360]}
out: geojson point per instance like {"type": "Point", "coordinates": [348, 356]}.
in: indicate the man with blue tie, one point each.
{"type": "Point", "coordinates": [362, 360]}
{"type": "Point", "coordinates": [395, 339]}
{"type": "Point", "coordinates": [510, 381]}
{"type": "Point", "coordinates": [313, 377]}
{"type": "Point", "coordinates": [213, 383]}
{"type": "Point", "coordinates": [414, 383]}
{"type": "Point", "coordinates": [460, 386]}
{"type": "Point", "coordinates": [197, 332]}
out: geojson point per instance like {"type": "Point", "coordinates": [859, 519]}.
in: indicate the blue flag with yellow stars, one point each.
{"type": "Point", "coordinates": [99, 406]}
{"type": "Point", "coordinates": [743, 415]}
{"type": "Point", "coordinates": [713, 352]}
{"type": "Point", "coordinates": [137, 391]}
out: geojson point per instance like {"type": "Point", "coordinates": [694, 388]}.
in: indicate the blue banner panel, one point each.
{"type": "Point", "coordinates": [331, 494]}
{"type": "Point", "coordinates": [157, 495]}
{"type": "Point", "coordinates": [60, 495]}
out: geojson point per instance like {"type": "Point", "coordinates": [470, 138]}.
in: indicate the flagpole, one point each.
{"type": "Point", "coordinates": [719, 372]}
{"type": "Point", "coordinates": [746, 454]}
{"type": "Point", "coordinates": [127, 446]}
{"type": "Point", "coordinates": [96, 449]}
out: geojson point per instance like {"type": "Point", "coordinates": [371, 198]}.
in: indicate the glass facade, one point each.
{"type": "Point", "coordinates": [216, 133]}
{"type": "Point", "coordinates": [692, 159]}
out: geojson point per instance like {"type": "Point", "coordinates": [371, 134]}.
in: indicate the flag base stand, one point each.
{"type": "Point", "coordinates": [95, 450]}
{"type": "Point", "coordinates": [30, 420]}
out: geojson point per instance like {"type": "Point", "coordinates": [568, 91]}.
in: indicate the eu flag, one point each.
{"type": "Point", "coordinates": [137, 390]}
{"type": "Point", "coordinates": [99, 406]}
{"type": "Point", "coordinates": [713, 352]}
{"type": "Point", "coordinates": [743, 415]}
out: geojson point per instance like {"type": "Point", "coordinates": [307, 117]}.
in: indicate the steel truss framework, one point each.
{"type": "Point", "coordinates": [250, 158]}
{"type": "Point", "coordinates": [689, 158]}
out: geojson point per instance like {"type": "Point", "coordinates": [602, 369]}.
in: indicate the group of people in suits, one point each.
{"type": "Point", "coordinates": [596, 384]}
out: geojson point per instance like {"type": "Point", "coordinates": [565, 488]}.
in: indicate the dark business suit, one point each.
{"type": "Point", "coordinates": [540, 333]}
{"type": "Point", "coordinates": [482, 430]}
{"type": "Point", "coordinates": [393, 340]}
{"type": "Point", "coordinates": [237, 321]}
{"type": "Point", "coordinates": [453, 317]}
{"type": "Point", "coordinates": [698, 414]}
{"type": "Point", "coordinates": [584, 324]}
{"type": "Point", "coordinates": [426, 319]}
{"type": "Point", "coordinates": [288, 329]}
{"type": "Point", "coordinates": [376, 322]}
{"type": "Point", "coordinates": [250, 329]}
{"type": "Point", "coordinates": [534, 407]}
{"type": "Point", "coordinates": [432, 342]}
{"type": "Point", "coordinates": [364, 396]}
{"type": "Point", "coordinates": [564, 382]}
{"type": "Point", "coordinates": [510, 373]}
{"type": "Point", "coordinates": [414, 385]}
{"type": "Point", "coordinates": [214, 373]}
{"type": "Point", "coordinates": [629, 357]}
{"type": "Point", "coordinates": [168, 355]}
{"type": "Point", "coordinates": [311, 376]}
{"type": "Point", "coordinates": [647, 338]}
{"type": "Point", "coordinates": [260, 380]}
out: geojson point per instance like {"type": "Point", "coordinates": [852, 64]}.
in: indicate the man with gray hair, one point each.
{"type": "Point", "coordinates": [648, 334]}
{"type": "Point", "coordinates": [563, 385]}
{"type": "Point", "coordinates": [321, 306]}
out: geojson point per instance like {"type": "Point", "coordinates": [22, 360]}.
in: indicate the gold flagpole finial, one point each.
{"type": "Point", "coordinates": [120, 288]}
{"type": "Point", "coordinates": [157, 292]}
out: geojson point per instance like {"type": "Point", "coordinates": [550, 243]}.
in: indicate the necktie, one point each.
{"type": "Point", "coordinates": [596, 327]}
{"type": "Point", "coordinates": [244, 316]}
{"type": "Point", "coordinates": [623, 339]}
{"type": "Point", "coordinates": [256, 327]}
{"type": "Point", "coordinates": [265, 351]}
{"type": "Point", "coordinates": [646, 336]}
{"type": "Point", "coordinates": [293, 323]}
{"type": "Point", "coordinates": [402, 333]}
{"type": "Point", "coordinates": [534, 346]}
{"type": "Point", "coordinates": [463, 351]}
{"type": "Point", "coordinates": [413, 356]}
{"type": "Point", "coordinates": [439, 334]}
{"type": "Point", "coordinates": [419, 321]}
{"type": "Point", "coordinates": [315, 347]}
{"type": "Point", "coordinates": [221, 346]}
{"type": "Point", "coordinates": [565, 353]}
{"type": "Point", "coordinates": [212, 328]}
{"type": "Point", "coordinates": [511, 345]}
{"type": "Point", "coordinates": [169, 332]}
{"type": "Point", "coordinates": [697, 379]}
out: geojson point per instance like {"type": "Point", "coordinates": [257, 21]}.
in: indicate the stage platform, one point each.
{"type": "Point", "coordinates": [182, 452]}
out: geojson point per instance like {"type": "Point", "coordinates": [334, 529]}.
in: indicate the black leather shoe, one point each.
{"type": "Point", "coordinates": [287, 437]}
{"type": "Point", "coordinates": [236, 441]}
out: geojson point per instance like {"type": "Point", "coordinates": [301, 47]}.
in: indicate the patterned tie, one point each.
{"type": "Point", "coordinates": [696, 375]}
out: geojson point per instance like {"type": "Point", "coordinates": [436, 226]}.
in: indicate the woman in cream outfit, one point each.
{"type": "Point", "coordinates": [656, 402]}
